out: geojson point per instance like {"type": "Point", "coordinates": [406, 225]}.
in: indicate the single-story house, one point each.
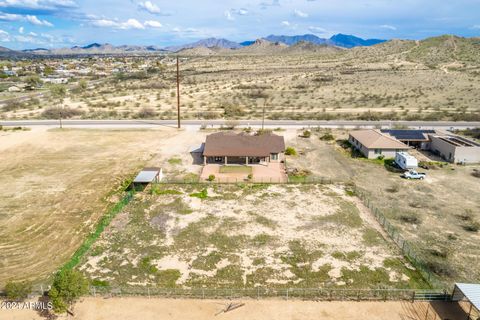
{"type": "Point", "coordinates": [413, 138]}
{"type": "Point", "coordinates": [233, 148]}
{"type": "Point", "coordinates": [455, 149]}
{"type": "Point", "coordinates": [373, 144]}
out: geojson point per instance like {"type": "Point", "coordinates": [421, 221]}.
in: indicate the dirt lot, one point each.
{"type": "Point", "coordinates": [435, 214]}
{"type": "Point", "coordinates": [247, 236]}
{"type": "Point", "coordinates": [133, 308]}
{"type": "Point", "coordinates": [57, 183]}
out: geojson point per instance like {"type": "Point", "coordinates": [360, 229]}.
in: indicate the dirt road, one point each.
{"type": "Point", "coordinates": [179, 309]}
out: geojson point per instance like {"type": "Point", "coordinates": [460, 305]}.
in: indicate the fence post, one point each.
{"type": "Point", "coordinates": [287, 294]}
{"type": "Point", "coordinates": [413, 296]}
{"type": "Point", "coordinates": [148, 290]}
{"type": "Point", "coordinates": [203, 293]}
{"type": "Point", "coordinates": [41, 288]}
{"type": "Point", "coordinates": [94, 292]}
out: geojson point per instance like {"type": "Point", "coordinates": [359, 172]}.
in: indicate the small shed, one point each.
{"type": "Point", "coordinates": [148, 175]}
{"type": "Point", "coordinates": [469, 292]}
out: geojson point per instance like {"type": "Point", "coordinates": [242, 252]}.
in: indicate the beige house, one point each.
{"type": "Point", "coordinates": [232, 148]}
{"type": "Point", "coordinates": [373, 144]}
{"type": "Point", "coordinates": [455, 149]}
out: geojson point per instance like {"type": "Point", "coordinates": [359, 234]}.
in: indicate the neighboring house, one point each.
{"type": "Point", "coordinates": [14, 89]}
{"type": "Point", "coordinates": [232, 148]}
{"type": "Point", "coordinates": [413, 138]}
{"type": "Point", "coordinates": [455, 149]}
{"type": "Point", "coordinates": [55, 80]}
{"type": "Point", "coordinates": [373, 144]}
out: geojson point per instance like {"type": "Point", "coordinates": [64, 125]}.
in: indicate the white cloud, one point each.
{"type": "Point", "coordinates": [34, 20]}
{"type": "Point", "coordinates": [21, 30]}
{"type": "Point", "coordinates": [229, 16]}
{"type": "Point", "coordinates": [300, 14]}
{"type": "Point", "coordinates": [242, 12]}
{"type": "Point", "coordinates": [33, 34]}
{"type": "Point", "coordinates": [28, 18]}
{"type": "Point", "coordinates": [476, 27]}
{"type": "Point", "coordinates": [152, 24]}
{"type": "Point", "coordinates": [131, 24]}
{"type": "Point", "coordinates": [123, 25]}
{"type": "Point", "coordinates": [285, 23]}
{"type": "Point", "coordinates": [389, 27]}
{"type": "Point", "coordinates": [317, 30]}
{"type": "Point", "coordinates": [38, 4]}
{"type": "Point", "coordinates": [4, 36]}
{"type": "Point", "coordinates": [152, 8]}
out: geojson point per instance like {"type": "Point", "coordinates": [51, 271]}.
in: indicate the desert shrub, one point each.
{"type": "Point", "coordinates": [146, 113]}
{"type": "Point", "coordinates": [409, 217]}
{"type": "Point", "coordinates": [59, 112]}
{"type": "Point", "coordinates": [12, 106]}
{"type": "Point", "coordinates": [211, 177]}
{"type": "Point", "coordinates": [232, 111]}
{"type": "Point", "coordinates": [68, 286]}
{"type": "Point", "coordinates": [427, 165]}
{"type": "Point", "coordinates": [328, 136]}
{"type": "Point", "coordinates": [393, 189]}
{"type": "Point", "coordinates": [250, 176]}
{"type": "Point", "coordinates": [18, 291]}
{"type": "Point", "coordinates": [201, 195]}
{"type": "Point", "coordinates": [468, 221]}
{"type": "Point", "coordinates": [476, 173]}
{"type": "Point", "coordinates": [290, 151]}
{"type": "Point", "coordinates": [306, 134]}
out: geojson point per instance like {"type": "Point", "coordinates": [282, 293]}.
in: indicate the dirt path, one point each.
{"type": "Point", "coordinates": [179, 309]}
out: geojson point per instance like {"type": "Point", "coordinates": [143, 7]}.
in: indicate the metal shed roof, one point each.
{"type": "Point", "coordinates": [470, 291]}
{"type": "Point", "coordinates": [147, 175]}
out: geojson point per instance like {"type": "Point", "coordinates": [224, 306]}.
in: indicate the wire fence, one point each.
{"type": "Point", "coordinates": [256, 180]}
{"type": "Point", "coordinates": [317, 294]}
{"type": "Point", "coordinates": [407, 248]}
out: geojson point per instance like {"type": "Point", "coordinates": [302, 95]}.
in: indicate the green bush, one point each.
{"type": "Point", "coordinates": [327, 137]}
{"type": "Point", "coordinates": [201, 195]}
{"type": "Point", "coordinates": [306, 134]}
{"type": "Point", "coordinates": [68, 286]}
{"type": "Point", "coordinates": [18, 291]}
{"type": "Point", "coordinates": [211, 177]}
{"type": "Point", "coordinates": [290, 151]}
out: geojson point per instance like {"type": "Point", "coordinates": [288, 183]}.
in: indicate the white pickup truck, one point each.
{"type": "Point", "coordinates": [412, 174]}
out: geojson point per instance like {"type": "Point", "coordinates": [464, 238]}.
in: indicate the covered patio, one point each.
{"type": "Point", "coordinates": [469, 293]}
{"type": "Point", "coordinates": [273, 172]}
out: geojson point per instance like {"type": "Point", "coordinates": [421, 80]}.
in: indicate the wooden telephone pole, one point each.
{"type": "Point", "coordinates": [178, 94]}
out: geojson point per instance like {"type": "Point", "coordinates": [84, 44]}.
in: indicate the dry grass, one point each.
{"type": "Point", "coordinates": [438, 215]}
{"type": "Point", "coordinates": [55, 186]}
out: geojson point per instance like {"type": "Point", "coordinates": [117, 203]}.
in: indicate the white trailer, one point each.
{"type": "Point", "coordinates": [406, 161]}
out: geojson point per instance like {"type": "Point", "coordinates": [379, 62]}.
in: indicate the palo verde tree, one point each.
{"type": "Point", "coordinates": [59, 92]}
{"type": "Point", "coordinates": [68, 285]}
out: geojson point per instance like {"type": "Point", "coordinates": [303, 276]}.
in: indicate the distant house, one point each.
{"type": "Point", "coordinates": [232, 148]}
{"type": "Point", "coordinates": [14, 89]}
{"type": "Point", "coordinates": [373, 144]}
{"type": "Point", "coordinates": [455, 149]}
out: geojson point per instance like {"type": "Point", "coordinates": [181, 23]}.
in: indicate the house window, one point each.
{"type": "Point", "coordinates": [218, 159]}
{"type": "Point", "coordinates": [378, 151]}
{"type": "Point", "coordinates": [274, 156]}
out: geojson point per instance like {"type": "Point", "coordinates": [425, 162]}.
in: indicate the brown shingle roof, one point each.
{"type": "Point", "coordinates": [242, 145]}
{"type": "Point", "coordinates": [373, 139]}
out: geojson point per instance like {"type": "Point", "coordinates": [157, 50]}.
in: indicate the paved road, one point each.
{"type": "Point", "coordinates": [254, 123]}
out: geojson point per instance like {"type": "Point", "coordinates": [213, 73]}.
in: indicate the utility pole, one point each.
{"type": "Point", "coordinates": [178, 94]}
{"type": "Point", "coordinates": [263, 114]}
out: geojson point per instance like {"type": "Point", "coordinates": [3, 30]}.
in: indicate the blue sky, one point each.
{"type": "Point", "coordinates": [65, 23]}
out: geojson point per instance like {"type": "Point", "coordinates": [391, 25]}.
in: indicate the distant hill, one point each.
{"type": "Point", "coordinates": [11, 54]}
{"type": "Point", "coordinates": [97, 48]}
{"type": "Point", "coordinates": [199, 51]}
{"type": "Point", "coordinates": [349, 41]}
{"type": "Point", "coordinates": [339, 40]}
{"type": "Point", "coordinates": [207, 43]}
{"type": "Point", "coordinates": [262, 46]}
{"type": "Point", "coordinates": [446, 49]}
{"type": "Point", "coordinates": [304, 47]}
{"type": "Point", "coordinates": [292, 40]}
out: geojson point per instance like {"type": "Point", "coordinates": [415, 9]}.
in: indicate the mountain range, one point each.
{"type": "Point", "coordinates": [339, 40]}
